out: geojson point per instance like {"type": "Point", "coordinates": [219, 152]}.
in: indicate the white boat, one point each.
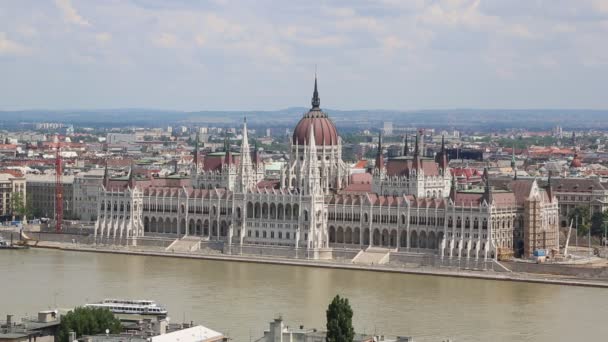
{"type": "Point", "coordinates": [133, 307]}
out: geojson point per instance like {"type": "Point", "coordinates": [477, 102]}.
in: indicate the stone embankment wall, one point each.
{"type": "Point", "coordinates": [579, 271]}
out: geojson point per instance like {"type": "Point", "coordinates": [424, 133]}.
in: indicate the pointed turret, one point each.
{"type": "Point", "coordinates": [196, 153]}
{"type": "Point", "coordinates": [513, 164]}
{"type": "Point", "coordinates": [106, 175]}
{"type": "Point", "coordinates": [245, 152]}
{"type": "Point", "coordinates": [245, 171]}
{"type": "Point", "coordinates": [379, 155]}
{"type": "Point", "coordinates": [257, 158]}
{"type": "Point", "coordinates": [549, 188]}
{"type": "Point", "coordinates": [405, 147]}
{"type": "Point", "coordinates": [316, 101]}
{"type": "Point", "coordinates": [313, 169]}
{"type": "Point", "coordinates": [442, 157]}
{"type": "Point", "coordinates": [131, 183]}
{"type": "Point", "coordinates": [227, 152]}
{"type": "Point", "coordinates": [416, 163]}
{"type": "Point", "coordinates": [453, 188]}
{"type": "Point", "coordinates": [487, 194]}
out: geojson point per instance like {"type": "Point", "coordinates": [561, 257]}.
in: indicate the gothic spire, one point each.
{"type": "Point", "coordinates": [316, 101]}
{"type": "Point", "coordinates": [131, 183]}
{"type": "Point", "coordinates": [196, 152]}
{"type": "Point", "coordinates": [379, 156]}
{"type": "Point", "coordinates": [487, 194]}
{"type": "Point", "coordinates": [416, 163]}
{"type": "Point", "coordinates": [106, 175]}
{"type": "Point", "coordinates": [228, 152]}
{"type": "Point", "coordinates": [453, 188]}
{"type": "Point", "coordinates": [549, 187]}
{"type": "Point", "coordinates": [405, 146]}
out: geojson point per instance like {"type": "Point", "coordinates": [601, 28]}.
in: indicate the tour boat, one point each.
{"type": "Point", "coordinates": [133, 307]}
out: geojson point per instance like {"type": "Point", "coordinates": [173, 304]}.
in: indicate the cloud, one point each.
{"type": "Point", "coordinates": [165, 40]}
{"type": "Point", "coordinates": [70, 14]}
{"type": "Point", "coordinates": [9, 47]}
{"type": "Point", "coordinates": [103, 37]}
{"type": "Point", "coordinates": [389, 42]}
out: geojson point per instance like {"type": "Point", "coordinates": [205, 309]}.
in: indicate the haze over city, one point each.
{"type": "Point", "coordinates": [262, 55]}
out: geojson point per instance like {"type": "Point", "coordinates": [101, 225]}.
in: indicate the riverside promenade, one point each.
{"type": "Point", "coordinates": [336, 264]}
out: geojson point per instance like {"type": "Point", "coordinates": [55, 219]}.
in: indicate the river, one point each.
{"type": "Point", "coordinates": [239, 299]}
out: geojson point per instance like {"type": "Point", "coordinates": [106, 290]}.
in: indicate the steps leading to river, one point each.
{"type": "Point", "coordinates": [185, 244]}
{"type": "Point", "coordinates": [372, 256]}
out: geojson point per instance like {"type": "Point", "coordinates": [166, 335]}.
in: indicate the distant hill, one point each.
{"type": "Point", "coordinates": [459, 118]}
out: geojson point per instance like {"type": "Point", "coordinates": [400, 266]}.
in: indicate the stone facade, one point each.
{"type": "Point", "coordinates": [414, 205]}
{"type": "Point", "coordinates": [10, 184]}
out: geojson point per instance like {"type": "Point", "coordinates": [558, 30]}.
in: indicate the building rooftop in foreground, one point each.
{"type": "Point", "coordinates": [279, 332]}
{"type": "Point", "coordinates": [140, 333]}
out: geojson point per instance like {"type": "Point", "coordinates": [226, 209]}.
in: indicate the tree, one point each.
{"type": "Point", "coordinates": [339, 321]}
{"type": "Point", "coordinates": [580, 213]}
{"type": "Point", "coordinates": [598, 223]}
{"type": "Point", "coordinates": [87, 321]}
{"type": "Point", "coordinates": [18, 204]}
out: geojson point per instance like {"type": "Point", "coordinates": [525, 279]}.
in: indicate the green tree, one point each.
{"type": "Point", "coordinates": [339, 321]}
{"type": "Point", "coordinates": [580, 217]}
{"type": "Point", "coordinates": [599, 221]}
{"type": "Point", "coordinates": [87, 321]}
{"type": "Point", "coordinates": [18, 205]}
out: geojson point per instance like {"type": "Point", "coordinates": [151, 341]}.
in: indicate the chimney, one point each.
{"type": "Point", "coordinates": [9, 323]}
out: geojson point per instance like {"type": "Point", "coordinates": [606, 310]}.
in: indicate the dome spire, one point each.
{"type": "Point", "coordinates": [316, 101]}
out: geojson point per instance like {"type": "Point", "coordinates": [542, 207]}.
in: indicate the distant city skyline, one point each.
{"type": "Point", "coordinates": [221, 55]}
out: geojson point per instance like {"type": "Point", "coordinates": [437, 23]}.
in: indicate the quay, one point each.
{"type": "Point", "coordinates": [336, 264]}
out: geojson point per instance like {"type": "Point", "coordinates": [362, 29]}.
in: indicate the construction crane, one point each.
{"type": "Point", "coordinates": [58, 188]}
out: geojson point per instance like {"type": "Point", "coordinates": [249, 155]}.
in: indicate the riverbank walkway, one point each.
{"type": "Point", "coordinates": [335, 264]}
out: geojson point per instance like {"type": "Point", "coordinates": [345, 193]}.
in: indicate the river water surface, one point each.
{"type": "Point", "coordinates": [239, 299]}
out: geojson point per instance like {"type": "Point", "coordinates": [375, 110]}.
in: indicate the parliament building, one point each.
{"type": "Point", "coordinates": [412, 205]}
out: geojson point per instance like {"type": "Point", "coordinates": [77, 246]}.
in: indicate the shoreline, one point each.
{"type": "Point", "coordinates": [506, 276]}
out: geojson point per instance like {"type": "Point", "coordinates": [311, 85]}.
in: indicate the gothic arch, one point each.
{"type": "Point", "coordinates": [393, 238]}
{"type": "Point", "coordinates": [414, 239]}
{"type": "Point", "coordinates": [376, 237]}
{"type": "Point", "coordinates": [332, 234]}
{"type": "Point", "coordinates": [356, 236]}
{"type": "Point", "coordinates": [206, 228]}
{"type": "Point", "coordinates": [403, 239]}
{"type": "Point", "coordinates": [432, 241]}
{"type": "Point", "coordinates": [422, 240]}
{"type": "Point", "coordinates": [385, 238]}
{"type": "Point", "coordinates": [348, 235]}
{"type": "Point", "coordinates": [340, 235]}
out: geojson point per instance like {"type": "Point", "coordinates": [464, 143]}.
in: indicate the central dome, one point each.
{"type": "Point", "coordinates": [325, 130]}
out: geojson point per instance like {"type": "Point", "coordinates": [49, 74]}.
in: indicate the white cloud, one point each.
{"type": "Point", "coordinates": [103, 37]}
{"type": "Point", "coordinates": [9, 47]}
{"type": "Point", "coordinates": [165, 40]}
{"type": "Point", "coordinates": [70, 14]}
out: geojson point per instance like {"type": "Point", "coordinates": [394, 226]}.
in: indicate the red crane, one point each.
{"type": "Point", "coordinates": [58, 189]}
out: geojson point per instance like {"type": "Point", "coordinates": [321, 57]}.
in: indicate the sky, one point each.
{"type": "Point", "coordinates": [262, 54]}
